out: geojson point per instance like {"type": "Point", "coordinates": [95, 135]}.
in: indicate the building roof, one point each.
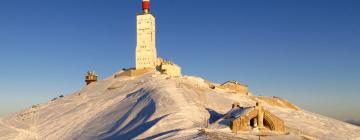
{"type": "Point", "coordinates": [240, 111]}
{"type": "Point", "coordinates": [92, 73]}
{"type": "Point", "coordinates": [233, 82]}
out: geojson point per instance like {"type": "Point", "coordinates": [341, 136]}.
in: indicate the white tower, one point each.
{"type": "Point", "coordinates": [146, 54]}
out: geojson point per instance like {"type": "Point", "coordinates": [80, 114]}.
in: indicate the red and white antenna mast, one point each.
{"type": "Point", "coordinates": [146, 6]}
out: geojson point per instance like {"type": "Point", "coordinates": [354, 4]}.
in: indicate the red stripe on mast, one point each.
{"type": "Point", "coordinates": [146, 5]}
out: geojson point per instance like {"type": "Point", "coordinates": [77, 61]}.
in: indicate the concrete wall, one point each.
{"type": "Point", "coordinates": [171, 70]}
{"type": "Point", "coordinates": [168, 67]}
{"type": "Point", "coordinates": [146, 54]}
{"type": "Point", "coordinates": [134, 73]}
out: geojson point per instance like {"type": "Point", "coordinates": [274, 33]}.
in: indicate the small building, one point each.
{"type": "Point", "coordinates": [90, 77]}
{"type": "Point", "coordinates": [254, 118]}
{"type": "Point", "coordinates": [168, 67]}
{"type": "Point", "coordinates": [235, 86]}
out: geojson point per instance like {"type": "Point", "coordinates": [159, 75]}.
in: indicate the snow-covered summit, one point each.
{"type": "Point", "coordinates": [154, 106]}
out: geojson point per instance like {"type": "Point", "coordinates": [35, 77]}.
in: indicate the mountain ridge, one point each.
{"type": "Point", "coordinates": [354, 122]}
{"type": "Point", "coordinates": [155, 106]}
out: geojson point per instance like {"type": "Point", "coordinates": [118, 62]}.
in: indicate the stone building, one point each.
{"type": "Point", "coordinates": [90, 77]}
{"type": "Point", "coordinates": [235, 86]}
{"type": "Point", "coordinates": [167, 67]}
{"type": "Point", "coordinates": [254, 118]}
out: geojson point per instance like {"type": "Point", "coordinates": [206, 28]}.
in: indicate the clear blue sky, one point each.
{"type": "Point", "coordinates": [307, 51]}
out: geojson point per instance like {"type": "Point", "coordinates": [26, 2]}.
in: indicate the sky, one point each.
{"type": "Point", "coordinates": [306, 51]}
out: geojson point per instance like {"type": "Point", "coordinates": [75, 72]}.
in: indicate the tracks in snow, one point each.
{"type": "Point", "coordinates": [22, 133]}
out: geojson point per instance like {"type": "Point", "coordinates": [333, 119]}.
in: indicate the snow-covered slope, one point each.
{"type": "Point", "coordinates": [153, 106]}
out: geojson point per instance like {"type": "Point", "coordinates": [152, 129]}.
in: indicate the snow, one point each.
{"type": "Point", "coordinates": [153, 106]}
{"type": "Point", "coordinates": [237, 112]}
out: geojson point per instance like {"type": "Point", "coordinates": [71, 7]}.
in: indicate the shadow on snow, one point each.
{"type": "Point", "coordinates": [137, 125]}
